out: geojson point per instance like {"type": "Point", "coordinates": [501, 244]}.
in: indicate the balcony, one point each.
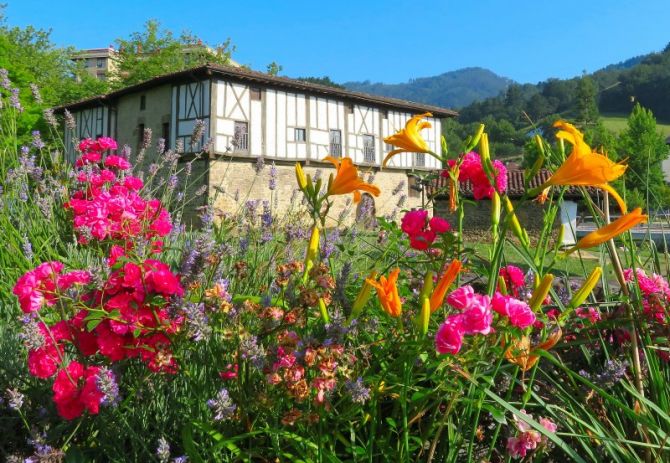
{"type": "Point", "coordinates": [369, 154]}
{"type": "Point", "coordinates": [336, 150]}
{"type": "Point", "coordinates": [241, 142]}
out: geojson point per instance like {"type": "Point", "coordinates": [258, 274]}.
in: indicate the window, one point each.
{"type": "Point", "coordinates": [336, 143]}
{"type": "Point", "coordinates": [143, 102]}
{"type": "Point", "coordinates": [369, 148]}
{"type": "Point", "coordinates": [349, 108]}
{"type": "Point", "coordinates": [388, 147]}
{"type": "Point", "coordinates": [420, 160]}
{"type": "Point", "coordinates": [100, 62]}
{"type": "Point", "coordinates": [165, 134]}
{"type": "Point", "coordinates": [255, 93]}
{"type": "Point", "coordinates": [241, 137]}
{"type": "Point", "coordinates": [300, 135]}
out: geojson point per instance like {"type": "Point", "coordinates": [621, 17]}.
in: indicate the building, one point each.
{"type": "Point", "coordinates": [250, 115]}
{"type": "Point", "coordinates": [99, 62]}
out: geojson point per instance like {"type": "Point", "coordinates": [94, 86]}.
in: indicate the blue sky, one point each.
{"type": "Point", "coordinates": [383, 41]}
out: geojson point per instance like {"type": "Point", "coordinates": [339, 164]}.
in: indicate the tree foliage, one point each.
{"type": "Point", "coordinates": [30, 57]}
{"type": "Point", "coordinates": [646, 150]}
{"type": "Point", "coordinates": [155, 51]}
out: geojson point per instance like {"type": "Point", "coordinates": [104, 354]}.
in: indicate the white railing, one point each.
{"type": "Point", "coordinates": [369, 154]}
{"type": "Point", "coordinates": [336, 150]}
{"type": "Point", "coordinates": [241, 142]}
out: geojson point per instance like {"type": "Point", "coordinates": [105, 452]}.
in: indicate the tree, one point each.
{"type": "Point", "coordinates": [155, 51]}
{"type": "Point", "coordinates": [587, 107]}
{"type": "Point", "coordinates": [30, 57]}
{"type": "Point", "coordinates": [273, 68]}
{"type": "Point", "coordinates": [645, 148]}
{"type": "Point", "coordinates": [325, 80]}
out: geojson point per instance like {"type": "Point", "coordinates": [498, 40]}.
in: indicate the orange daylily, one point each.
{"type": "Point", "coordinates": [409, 139]}
{"type": "Point", "coordinates": [585, 167]}
{"type": "Point", "coordinates": [443, 284]}
{"type": "Point", "coordinates": [606, 233]}
{"type": "Point", "coordinates": [387, 292]}
{"type": "Point", "coordinates": [523, 354]}
{"type": "Point", "coordinates": [347, 180]}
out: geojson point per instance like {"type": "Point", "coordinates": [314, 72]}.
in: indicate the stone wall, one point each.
{"type": "Point", "coordinates": [477, 219]}
{"type": "Point", "coordinates": [233, 181]}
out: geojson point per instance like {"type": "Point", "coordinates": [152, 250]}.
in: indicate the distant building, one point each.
{"type": "Point", "coordinates": [250, 115]}
{"type": "Point", "coordinates": [99, 62]}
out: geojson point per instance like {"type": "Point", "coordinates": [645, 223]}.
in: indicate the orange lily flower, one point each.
{"type": "Point", "coordinates": [347, 180]}
{"type": "Point", "coordinates": [409, 139]}
{"type": "Point", "coordinates": [584, 167]}
{"type": "Point", "coordinates": [387, 292]}
{"type": "Point", "coordinates": [606, 233]}
{"type": "Point", "coordinates": [443, 284]}
{"type": "Point", "coordinates": [523, 354]}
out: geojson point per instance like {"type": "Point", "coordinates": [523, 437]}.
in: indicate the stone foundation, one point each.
{"type": "Point", "coordinates": [233, 181]}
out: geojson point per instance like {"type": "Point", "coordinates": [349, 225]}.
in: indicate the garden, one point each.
{"type": "Point", "coordinates": [128, 334]}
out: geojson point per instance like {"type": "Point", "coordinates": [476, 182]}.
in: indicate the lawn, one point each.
{"type": "Point", "coordinates": [618, 122]}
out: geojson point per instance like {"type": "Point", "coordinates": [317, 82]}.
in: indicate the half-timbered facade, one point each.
{"type": "Point", "coordinates": [248, 115]}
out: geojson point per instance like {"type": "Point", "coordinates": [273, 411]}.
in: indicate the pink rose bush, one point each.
{"type": "Point", "coordinates": [421, 231]}
{"type": "Point", "coordinates": [475, 316]}
{"type": "Point", "coordinates": [126, 316]}
{"type": "Point", "coordinates": [471, 170]}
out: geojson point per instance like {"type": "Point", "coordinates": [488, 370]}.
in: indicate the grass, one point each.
{"type": "Point", "coordinates": [618, 122]}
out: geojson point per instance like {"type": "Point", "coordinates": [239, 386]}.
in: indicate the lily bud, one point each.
{"type": "Point", "coordinates": [445, 149]}
{"type": "Point", "coordinates": [324, 310]}
{"type": "Point", "coordinates": [300, 176]}
{"type": "Point", "coordinates": [540, 293]}
{"type": "Point", "coordinates": [582, 293]}
{"type": "Point", "coordinates": [423, 319]}
{"type": "Point", "coordinates": [427, 287]}
{"type": "Point", "coordinates": [502, 286]}
{"type": "Point", "coordinates": [495, 213]}
{"type": "Point", "coordinates": [474, 141]}
{"type": "Point", "coordinates": [518, 231]}
{"type": "Point", "coordinates": [363, 296]}
{"type": "Point", "coordinates": [312, 250]}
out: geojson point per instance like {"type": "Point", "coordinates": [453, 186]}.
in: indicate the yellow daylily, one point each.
{"type": "Point", "coordinates": [347, 180]}
{"type": "Point", "coordinates": [409, 139]}
{"type": "Point", "coordinates": [387, 292]}
{"type": "Point", "coordinates": [606, 233]}
{"type": "Point", "coordinates": [584, 167]}
{"type": "Point", "coordinates": [522, 353]}
{"type": "Point", "coordinates": [443, 284]}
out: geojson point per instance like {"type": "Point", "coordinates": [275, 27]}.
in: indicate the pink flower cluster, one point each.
{"type": "Point", "coordinates": [655, 293]}
{"type": "Point", "coordinates": [517, 312]}
{"type": "Point", "coordinates": [109, 205]}
{"type": "Point", "coordinates": [41, 285]}
{"type": "Point", "coordinates": [527, 438]}
{"type": "Point", "coordinates": [126, 316]}
{"type": "Point", "coordinates": [515, 280]}
{"type": "Point", "coordinates": [471, 169]}
{"type": "Point", "coordinates": [475, 316]}
{"type": "Point", "coordinates": [75, 390]}
{"type": "Point", "coordinates": [421, 231]}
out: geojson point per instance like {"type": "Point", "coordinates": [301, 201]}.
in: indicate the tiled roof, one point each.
{"type": "Point", "coordinates": [515, 185]}
{"type": "Point", "coordinates": [254, 77]}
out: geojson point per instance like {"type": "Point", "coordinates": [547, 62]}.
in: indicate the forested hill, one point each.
{"type": "Point", "coordinates": [644, 79]}
{"type": "Point", "coordinates": [453, 89]}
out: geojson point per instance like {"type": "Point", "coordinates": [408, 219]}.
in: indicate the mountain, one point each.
{"type": "Point", "coordinates": [453, 89]}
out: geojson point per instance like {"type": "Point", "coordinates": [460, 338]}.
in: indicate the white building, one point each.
{"type": "Point", "coordinates": [249, 114]}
